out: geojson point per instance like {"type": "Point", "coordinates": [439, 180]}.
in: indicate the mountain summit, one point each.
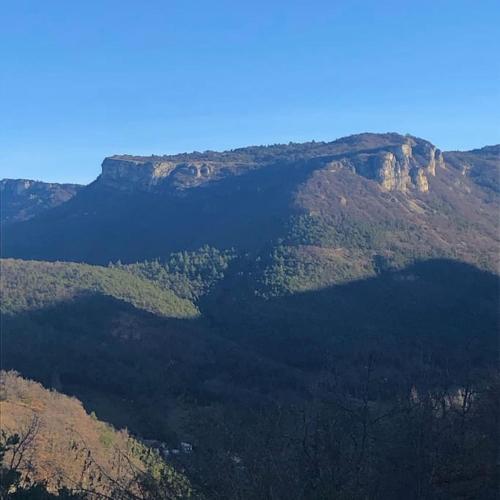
{"type": "Point", "coordinates": [396, 162]}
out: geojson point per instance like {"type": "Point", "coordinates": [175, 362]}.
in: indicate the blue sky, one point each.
{"type": "Point", "coordinates": [83, 80]}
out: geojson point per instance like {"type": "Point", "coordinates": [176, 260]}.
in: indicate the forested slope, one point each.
{"type": "Point", "coordinates": [28, 285]}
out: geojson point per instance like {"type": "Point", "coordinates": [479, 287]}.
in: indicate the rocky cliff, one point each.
{"type": "Point", "coordinates": [130, 173]}
{"type": "Point", "coordinates": [398, 168]}
{"type": "Point", "coordinates": [396, 162]}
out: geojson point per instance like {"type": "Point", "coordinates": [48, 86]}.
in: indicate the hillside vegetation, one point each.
{"type": "Point", "coordinates": [299, 376]}
{"type": "Point", "coordinates": [28, 285]}
{"type": "Point", "coordinates": [189, 274]}
{"type": "Point", "coordinates": [59, 445]}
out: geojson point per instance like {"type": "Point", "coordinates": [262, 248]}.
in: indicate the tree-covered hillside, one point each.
{"type": "Point", "coordinates": [28, 285]}
{"type": "Point", "coordinates": [189, 274]}
{"type": "Point", "coordinates": [335, 382]}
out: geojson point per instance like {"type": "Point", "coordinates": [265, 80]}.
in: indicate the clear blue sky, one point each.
{"type": "Point", "coordinates": [81, 80]}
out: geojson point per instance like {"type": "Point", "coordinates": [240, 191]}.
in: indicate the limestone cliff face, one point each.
{"type": "Point", "coordinates": [125, 173]}
{"type": "Point", "coordinates": [400, 168]}
{"type": "Point", "coordinates": [395, 162]}
{"type": "Point", "coordinates": [420, 180]}
{"type": "Point", "coordinates": [149, 175]}
{"type": "Point", "coordinates": [393, 172]}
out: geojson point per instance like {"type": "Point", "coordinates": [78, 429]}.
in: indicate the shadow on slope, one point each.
{"type": "Point", "coordinates": [133, 368]}
{"type": "Point", "coordinates": [437, 311]}
{"type": "Point", "coordinates": [302, 377]}
{"type": "Point", "coordinates": [433, 323]}
{"type": "Point", "coordinates": [242, 211]}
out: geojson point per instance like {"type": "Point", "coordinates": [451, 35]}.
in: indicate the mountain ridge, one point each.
{"type": "Point", "coordinates": [396, 161]}
{"type": "Point", "coordinates": [364, 137]}
{"type": "Point", "coordinates": [350, 203]}
{"type": "Point", "coordinates": [193, 163]}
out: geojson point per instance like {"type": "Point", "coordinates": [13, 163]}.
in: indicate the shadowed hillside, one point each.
{"type": "Point", "coordinates": [23, 199]}
{"type": "Point", "coordinates": [135, 368]}
{"type": "Point", "coordinates": [300, 376]}
{"type": "Point", "coordinates": [445, 307]}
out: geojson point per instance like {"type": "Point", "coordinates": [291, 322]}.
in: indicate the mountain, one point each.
{"type": "Point", "coordinates": [311, 317]}
{"type": "Point", "coordinates": [340, 209]}
{"type": "Point", "coordinates": [22, 199]}
{"type": "Point", "coordinates": [106, 335]}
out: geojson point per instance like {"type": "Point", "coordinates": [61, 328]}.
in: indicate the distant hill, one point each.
{"type": "Point", "coordinates": [22, 199]}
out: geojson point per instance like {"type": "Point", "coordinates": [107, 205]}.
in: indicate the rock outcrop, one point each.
{"type": "Point", "coordinates": [131, 173]}
{"type": "Point", "coordinates": [400, 168]}
{"type": "Point", "coordinates": [396, 162]}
